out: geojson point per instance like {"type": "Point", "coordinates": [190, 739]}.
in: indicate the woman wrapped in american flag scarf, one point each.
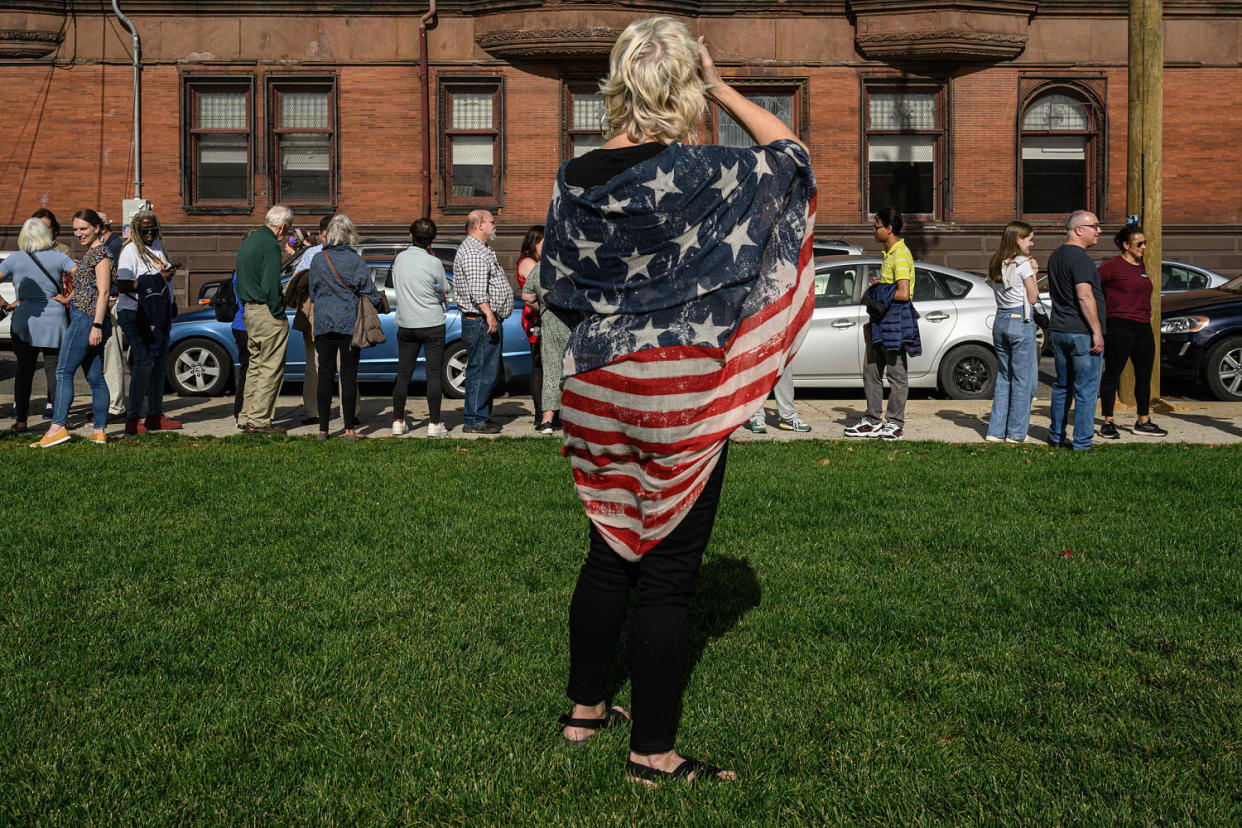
{"type": "Point", "coordinates": [689, 272]}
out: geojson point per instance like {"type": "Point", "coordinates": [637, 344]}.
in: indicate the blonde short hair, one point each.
{"type": "Point", "coordinates": [35, 236]}
{"type": "Point", "coordinates": [653, 89]}
{"type": "Point", "coordinates": [340, 231]}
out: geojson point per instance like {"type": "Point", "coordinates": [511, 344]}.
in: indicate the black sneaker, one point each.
{"type": "Point", "coordinates": [1149, 429]}
{"type": "Point", "coordinates": [1109, 431]}
{"type": "Point", "coordinates": [488, 427]}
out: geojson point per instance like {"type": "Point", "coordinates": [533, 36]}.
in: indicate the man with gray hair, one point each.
{"type": "Point", "coordinates": [1077, 330]}
{"type": "Point", "coordinates": [485, 299]}
{"type": "Point", "coordinates": [258, 291]}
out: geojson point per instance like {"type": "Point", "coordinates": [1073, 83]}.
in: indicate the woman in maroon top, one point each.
{"type": "Point", "coordinates": [1128, 336]}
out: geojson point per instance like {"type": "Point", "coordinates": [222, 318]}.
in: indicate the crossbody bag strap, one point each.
{"type": "Point", "coordinates": [39, 264]}
{"type": "Point", "coordinates": [338, 276]}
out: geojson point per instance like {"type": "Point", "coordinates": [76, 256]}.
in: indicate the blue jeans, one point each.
{"type": "Point", "coordinates": [1077, 369]}
{"type": "Point", "coordinates": [149, 366]}
{"type": "Point", "coordinates": [75, 350]}
{"type": "Point", "coordinates": [1011, 401]}
{"type": "Point", "coordinates": [482, 368]}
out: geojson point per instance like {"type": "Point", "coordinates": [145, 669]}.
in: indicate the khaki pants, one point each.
{"type": "Point", "coordinates": [266, 337]}
{"type": "Point", "coordinates": [310, 381]}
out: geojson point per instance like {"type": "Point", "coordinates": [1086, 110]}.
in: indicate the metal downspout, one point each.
{"type": "Point", "coordinates": [137, 52]}
{"type": "Point", "coordinates": [427, 18]}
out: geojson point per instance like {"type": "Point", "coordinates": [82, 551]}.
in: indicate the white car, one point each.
{"type": "Point", "coordinates": [7, 294]}
{"type": "Point", "coordinates": [956, 310]}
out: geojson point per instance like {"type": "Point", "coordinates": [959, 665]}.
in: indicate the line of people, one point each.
{"type": "Point", "coordinates": [63, 311]}
{"type": "Point", "coordinates": [1100, 318]}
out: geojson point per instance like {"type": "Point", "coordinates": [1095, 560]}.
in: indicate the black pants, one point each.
{"type": "Point", "coordinates": [409, 341]}
{"type": "Point", "coordinates": [666, 577]}
{"type": "Point", "coordinates": [239, 382]}
{"type": "Point", "coordinates": [536, 379]}
{"type": "Point", "coordinates": [27, 357]}
{"type": "Point", "coordinates": [327, 346]}
{"type": "Point", "coordinates": [1126, 339]}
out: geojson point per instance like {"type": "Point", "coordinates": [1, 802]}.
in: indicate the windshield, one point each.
{"type": "Point", "coordinates": [1234, 286]}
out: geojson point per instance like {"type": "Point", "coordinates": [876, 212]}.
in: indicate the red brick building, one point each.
{"type": "Point", "coordinates": [965, 114]}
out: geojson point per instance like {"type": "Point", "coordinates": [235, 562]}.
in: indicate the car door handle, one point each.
{"type": "Point", "coordinates": [843, 323]}
{"type": "Point", "coordinates": [936, 316]}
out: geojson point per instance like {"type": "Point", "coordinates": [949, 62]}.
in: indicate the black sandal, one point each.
{"type": "Point", "coordinates": [691, 770]}
{"type": "Point", "coordinates": [612, 716]}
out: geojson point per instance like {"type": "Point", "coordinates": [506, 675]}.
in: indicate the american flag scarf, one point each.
{"type": "Point", "coordinates": [693, 274]}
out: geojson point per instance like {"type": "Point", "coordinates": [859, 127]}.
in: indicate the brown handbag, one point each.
{"type": "Point", "coordinates": [368, 329]}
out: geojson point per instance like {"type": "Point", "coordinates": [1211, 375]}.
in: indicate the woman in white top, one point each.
{"type": "Point", "coordinates": [142, 256]}
{"type": "Point", "coordinates": [1012, 277]}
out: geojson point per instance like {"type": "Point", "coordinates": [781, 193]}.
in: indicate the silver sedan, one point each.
{"type": "Point", "coordinates": [956, 311]}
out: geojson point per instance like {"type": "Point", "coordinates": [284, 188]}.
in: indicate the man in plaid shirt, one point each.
{"type": "Point", "coordinates": [485, 299]}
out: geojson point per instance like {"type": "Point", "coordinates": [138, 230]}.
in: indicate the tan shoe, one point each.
{"type": "Point", "coordinates": [54, 437]}
{"type": "Point", "coordinates": [97, 437]}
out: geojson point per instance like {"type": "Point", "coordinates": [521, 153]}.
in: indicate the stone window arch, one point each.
{"type": "Point", "coordinates": [1062, 149]}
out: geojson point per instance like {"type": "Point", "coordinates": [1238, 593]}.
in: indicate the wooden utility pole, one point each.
{"type": "Point", "coordinates": [1144, 187]}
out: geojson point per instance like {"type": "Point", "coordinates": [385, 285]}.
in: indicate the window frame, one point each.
{"type": "Point", "coordinates": [191, 85]}
{"type": "Point", "coordinates": [569, 88]}
{"type": "Point", "coordinates": [446, 86]}
{"type": "Point", "coordinates": [798, 88]}
{"type": "Point", "coordinates": [275, 85]}
{"type": "Point", "coordinates": [941, 153]}
{"type": "Point", "coordinates": [1085, 92]}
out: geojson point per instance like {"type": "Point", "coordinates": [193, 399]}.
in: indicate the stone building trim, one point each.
{"type": "Point", "coordinates": [18, 44]}
{"type": "Point", "coordinates": [533, 44]}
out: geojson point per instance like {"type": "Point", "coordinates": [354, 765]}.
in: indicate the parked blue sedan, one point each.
{"type": "Point", "coordinates": [203, 355]}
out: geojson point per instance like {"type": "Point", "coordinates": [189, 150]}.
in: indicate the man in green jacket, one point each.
{"type": "Point", "coordinates": [267, 329]}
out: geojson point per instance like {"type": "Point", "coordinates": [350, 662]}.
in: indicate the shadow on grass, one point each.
{"type": "Point", "coordinates": [727, 589]}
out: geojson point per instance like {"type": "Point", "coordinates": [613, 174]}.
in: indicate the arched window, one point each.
{"type": "Point", "coordinates": [1060, 153]}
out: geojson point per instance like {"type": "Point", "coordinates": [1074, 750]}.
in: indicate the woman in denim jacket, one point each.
{"type": "Point", "coordinates": [339, 279]}
{"type": "Point", "coordinates": [1011, 275]}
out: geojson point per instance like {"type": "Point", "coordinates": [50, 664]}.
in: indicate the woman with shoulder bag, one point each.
{"type": "Point", "coordinates": [339, 279]}
{"type": "Point", "coordinates": [1011, 275]}
{"type": "Point", "coordinates": [143, 256]}
{"type": "Point", "coordinates": [40, 315]}
{"type": "Point", "coordinates": [89, 325]}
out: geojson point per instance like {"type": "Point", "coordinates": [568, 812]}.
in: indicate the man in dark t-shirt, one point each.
{"type": "Point", "coordinates": [1077, 330]}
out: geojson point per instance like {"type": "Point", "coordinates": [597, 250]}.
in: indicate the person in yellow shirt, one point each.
{"type": "Point", "coordinates": [897, 268]}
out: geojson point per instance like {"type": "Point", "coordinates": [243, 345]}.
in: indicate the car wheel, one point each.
{"type": "Point", "coordinates": [1043, 342]}
{"type": "Point", "coordinates": [199, 367]}
{"type": "Point", "coordinates": [453, 374]}
{"type": "Point", "coordinates": [1224, 370]}
{"type": "Point", "coordinates": [969, 373]}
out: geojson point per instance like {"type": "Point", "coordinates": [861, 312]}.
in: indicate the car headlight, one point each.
{"type": "Point", "coordinates": [1183, 324]}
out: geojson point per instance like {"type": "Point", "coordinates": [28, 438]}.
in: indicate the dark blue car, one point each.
{"type": "Point", "coordinates": [1201, 338]}
{"type": "Point", "coordinates": [203, 354]}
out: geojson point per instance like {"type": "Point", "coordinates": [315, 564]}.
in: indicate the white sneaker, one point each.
{"type": "Point", "coordinates": [992, 438]}
{"type": "Point", "coordinates": [399, 427]}
{"type": "Point", "coordinates": [436, 430]}
{"type": "Point", "coordinates": [891, 431]}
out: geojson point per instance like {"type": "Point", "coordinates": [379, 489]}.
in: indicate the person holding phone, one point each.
{"type": "Point", "coordinates": [144, 255]}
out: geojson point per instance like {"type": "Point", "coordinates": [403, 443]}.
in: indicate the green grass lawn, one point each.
{"type": "Point", "coordinates": [251, 631]}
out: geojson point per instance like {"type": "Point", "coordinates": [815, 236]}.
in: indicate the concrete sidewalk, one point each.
{"type": "Point", "coordinates": [950, 421]}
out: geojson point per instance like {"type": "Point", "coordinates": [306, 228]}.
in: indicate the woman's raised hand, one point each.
{"type": "Point", "coordinates": [707, 68]}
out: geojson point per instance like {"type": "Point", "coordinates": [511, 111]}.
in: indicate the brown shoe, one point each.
{"type": "Point", "coordinates": [253, 429]}
{"type": "Point", "coordinates": [132, 426]}
{"type": "Point", "coordinates": [158, 422]}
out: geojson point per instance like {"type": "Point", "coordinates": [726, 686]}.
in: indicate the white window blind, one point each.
{"type": "Point", "coordinates": [222, 149]}
{"type": "Point", "coordinates": [1054, 148]}
{"type": "Point", "coordinates": [472, 150]}
{"type": "Point", "coordinates": [900, 110]}
{"type": "Point", "coordinates": [915, 149]}
{"type": "Point", "coordinates": [304, 153]}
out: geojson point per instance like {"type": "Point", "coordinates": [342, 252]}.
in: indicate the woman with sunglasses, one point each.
{"type": "Point", "coordinates": [144, 255]}
{"type": "Point", "coordinates": [1128, 336]}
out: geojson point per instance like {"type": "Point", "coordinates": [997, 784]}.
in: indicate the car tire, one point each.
{"type": "Point", "coordinates": [453, 372]}
{"type": "Point", "coordinates": [199, 367]}
{"type": "Point", "coordinates": [1223, 369]}
{"type": "Point", "coordinates": [968, 372]}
